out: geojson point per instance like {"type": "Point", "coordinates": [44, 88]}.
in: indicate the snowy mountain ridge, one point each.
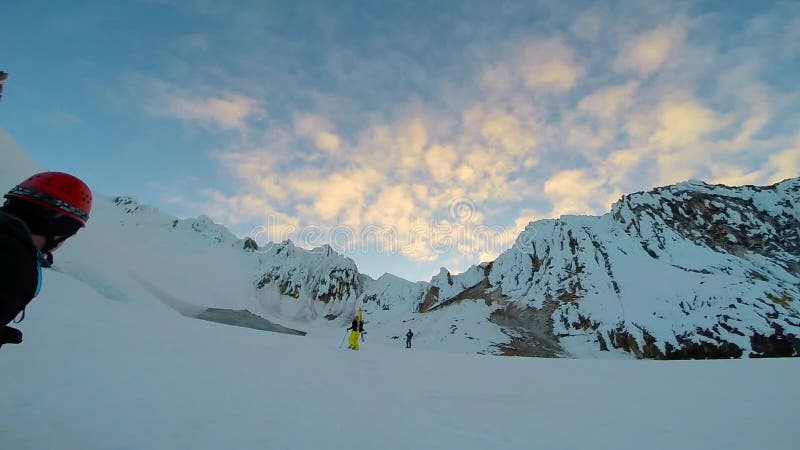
{"type": "Point", "coordinates": [143, 215]}
{"type": "Point", "coordinates": [690, 270]}
{"type": "Point", "coordinates": [685, 271]}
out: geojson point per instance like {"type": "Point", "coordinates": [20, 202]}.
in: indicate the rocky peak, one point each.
{"type": "Point", "coordinates": [690, 270]}
{"type": "Point", "coordinates": [740, 221]}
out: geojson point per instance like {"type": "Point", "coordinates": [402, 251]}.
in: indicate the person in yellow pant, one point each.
{"type": "Point", "coordinates": [357, 328]}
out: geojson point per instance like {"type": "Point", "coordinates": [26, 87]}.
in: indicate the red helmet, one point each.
{"type": "Point", "coordinates": [60, 192]}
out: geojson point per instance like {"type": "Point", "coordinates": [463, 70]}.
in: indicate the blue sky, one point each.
{"type": "Point", "coordinates": [446, 125]}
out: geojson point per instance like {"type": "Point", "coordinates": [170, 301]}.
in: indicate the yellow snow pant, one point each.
{"type": "Point", "coordinates": [354, 340]}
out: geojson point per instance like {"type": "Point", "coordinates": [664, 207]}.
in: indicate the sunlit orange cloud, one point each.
{"type": "Point", "coordinates": [785, 164]}
{"type": "Point", "coordinates": [218, 110]}
{"type": "Point", "coordinates": [682, 123]}
{"type": "Point", "coordinates": [735, 175]}
{"type": "Point", "coordinates": [577, 192]}
{"type": "Point", "coordinates": [319, 130]}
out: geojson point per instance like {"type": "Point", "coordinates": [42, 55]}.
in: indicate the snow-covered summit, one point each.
{"type": "Point", "coordinates": [690, 270]}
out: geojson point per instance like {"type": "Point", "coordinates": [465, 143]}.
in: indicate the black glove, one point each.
{"type": "Point", "coordinates": [10, 335]}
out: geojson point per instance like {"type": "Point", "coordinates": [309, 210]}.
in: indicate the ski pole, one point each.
{"type": "Point", "coordinates": [345, 337]}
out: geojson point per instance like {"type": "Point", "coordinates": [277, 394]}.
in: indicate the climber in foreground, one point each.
{"type": "Point", "coordinates": [409, 335]}
{"type": "Point", "coordinates": [39, 214]}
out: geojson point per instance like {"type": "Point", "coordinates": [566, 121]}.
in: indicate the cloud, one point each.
{"type": "Point", "coordinates": [776, 167]}
{"type": "Point", "coordinates": [607, 102]}
{"type": "Point", "coordinates": [589, 25]}
{"type": "Point", "coordinates": [755, 111]}
{"type": "Point", "coordinates": [402, 175]}
{"type": "Point", "coordinates": [599, 117]}
{"type": "Point", "coordinates": [549, 65]}
{"type": "Point", "coordinates": [777, 30]}
{"type": "Point", "coordinates": [259, 172]}
{"type": "Point", "coordinates": [344, 193]}
{"type": "Point", "coordinates": [441, 161]}
{"type": "Point", "coordinates": [732, 175]}
{"type": "Point", "coordinates": [412, 138]}
{"type": "Point", "coordinates": [202, 106]}
{"type": "Point", "coordinates": [534, 64]}
{"type": "Point", "coordinates": [237, 209]}
{"type": "Point", "coordinates": [319, 130]}
{"type": "Point", "coordinates": [227, 111]}
{"type": "Point", "coordinates": [505, 131]}
{"type": "Point", "coordinates": [496, 78]}
{"type": "Point", "coordinates": [523, 126]}
{"type": "Point", "coordinates": [586, 136]}
{"type": "Point", "coordinates": [684, 122]}
{"type": "Point", "coordinates": [621, 165]}
{"type": "Point", "coordinates": [579, 191]}
{"type": "Point", "coordinates": [395, 202]}
{"type": "Point", "coordinates": [651, 50]}
{"type": "Point", "coordinates": [525, 217]}
{"type": "Point", "coordinates": [785, 164]}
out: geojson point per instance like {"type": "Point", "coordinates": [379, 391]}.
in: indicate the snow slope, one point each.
{"type": "Point", "coordinates": [95, 374]}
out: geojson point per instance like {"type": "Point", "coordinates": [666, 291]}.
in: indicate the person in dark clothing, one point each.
{"type": "Point", "coordinates": [37, 217]}
{"type": "Point", "coordinates": [409, 335]}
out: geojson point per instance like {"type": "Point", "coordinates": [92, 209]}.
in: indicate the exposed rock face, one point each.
{"type": "Point", "coordinates": [530, 331]}
{"type": "Point", "coordinates": [250, 245]}
{"type": "Point", "coordinates": [311, 276]}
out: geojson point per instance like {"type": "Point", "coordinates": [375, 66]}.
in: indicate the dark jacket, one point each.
{"type": "Point", "coordinates": [19, 268]}
{"type": "Point", "coordinates": [409, 335]}
{"type": "Point", "coordinates": [357, 326]}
